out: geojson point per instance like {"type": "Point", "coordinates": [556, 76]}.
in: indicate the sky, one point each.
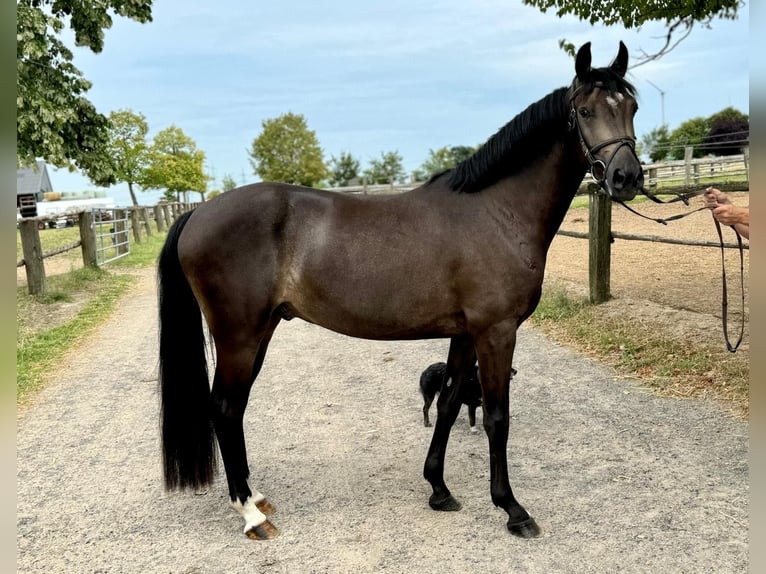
{"type": "Point", "coordinates": [373, 77]}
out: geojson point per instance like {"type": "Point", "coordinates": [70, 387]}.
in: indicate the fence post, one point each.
{"type": "Point", "coordinates": [159, 217]}
{"type": "Point", "coordinates": [33, 256]}
{"type": "Point", "coordinates": [135, 224]}
{"type": "Point", "coordinates": [147, 223]}
{"type": "Point", "coordinates": [87, 238]}
{"type": "Point", "coordinates": [688, 154]}
{"type": "Point", "coordinates": [599, 244]}
{"type": "Point", "coordinates": [167, 213]}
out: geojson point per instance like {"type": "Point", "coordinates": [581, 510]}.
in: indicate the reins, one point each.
{"type": "Point", "coordinates": [684, 197]}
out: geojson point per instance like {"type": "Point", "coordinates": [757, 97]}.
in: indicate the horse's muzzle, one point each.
{"type": "Point", "coordinates": [625, 176]}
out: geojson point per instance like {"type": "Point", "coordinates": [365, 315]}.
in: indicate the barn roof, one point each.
{"type": "Point", "coordinates": [33, 179]}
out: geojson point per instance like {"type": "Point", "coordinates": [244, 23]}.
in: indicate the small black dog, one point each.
{"type": "Point", "coordinates": [431, 383]}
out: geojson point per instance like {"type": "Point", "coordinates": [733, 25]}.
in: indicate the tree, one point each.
{"type": "Point", "coordinates": [288, 151]}
{"type": "Point", "coordinates": [689, 133]}
{"type": "Point", "coordinates": [656, 143]}
{"type": "Point", "coordinates": [175, 164]}
{"type": "Point", "coordinates": [343, 169]}
{"type": "Point", "coordinates": [127, 153]}
{"type": "Point", "coordinates": [444, 158]}
{"type": "Point", "coordinates": [54, 119]}
{"type": "Point", "coordinates": [387, 169]}
{"type": "Point", "coordinates": [729, 132]}
{"type": "Point", "coordinates": [228, 183]}
{"type": "Point", "coordinates": [679, 17]}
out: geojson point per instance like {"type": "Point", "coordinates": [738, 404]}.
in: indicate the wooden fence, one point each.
{"type": "Point", "coordinates": [143, 221]}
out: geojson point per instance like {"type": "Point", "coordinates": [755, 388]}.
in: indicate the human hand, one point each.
{"type": "Point", "coordinates": [714, 197]}
{"type": "Point", "coordinates": [728, 214]}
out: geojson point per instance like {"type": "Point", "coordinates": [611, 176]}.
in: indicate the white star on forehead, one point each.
{"type": "Point", "coordinates": [615, 102]}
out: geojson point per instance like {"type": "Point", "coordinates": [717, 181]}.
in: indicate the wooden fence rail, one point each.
{"type": "Point", "coordinates": [140, 219]}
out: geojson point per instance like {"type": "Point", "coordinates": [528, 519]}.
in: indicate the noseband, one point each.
{"type": "Point", "coordinates": [598, 167]}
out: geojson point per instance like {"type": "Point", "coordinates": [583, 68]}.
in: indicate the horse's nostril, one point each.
{"type": "Point", "coordinates": [619, 178]}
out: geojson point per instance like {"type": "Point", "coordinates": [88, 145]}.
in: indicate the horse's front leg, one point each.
{"type": "Point", "coordinates": [494, 349]}
{"type": "Point", "coordinates": [460, 361]}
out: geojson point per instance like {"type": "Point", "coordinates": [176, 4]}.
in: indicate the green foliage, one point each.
{"type": "Point", "coordinates": [37, 353]}
{"type": "Point", "coordinates": [175, 164]}
{"type": "Point", "coordinates": [679, 17]}
{"type": "Point", "coordinates": [689, 133]}
{"type": "Point", "coordinates": [634, 13]}
{"type": "Point", "coordinates": [343, 169]}
{"type": "Point", "coordinates": [387, 169]}
{"type": "Point", "coordinates": [288, 151]}
{"type": "Point", "coordinates": [729, 132]}
{"type": "Point", "coordinates": [127, 150]}
{"type": "Point", "coordinates": [656, 144]}
{"type": "Point", "coordinates": [443, 159]}
{"type": "Point", "coordinates": [54, 119]}
{"type": "Point", "coordinates": [228, 183]}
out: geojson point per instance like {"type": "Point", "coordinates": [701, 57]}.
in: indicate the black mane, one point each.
{"type": "Point", "coordinates": [526, 137]}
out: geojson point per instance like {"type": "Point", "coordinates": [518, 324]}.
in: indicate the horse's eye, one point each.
{"type": "Point", "coordinates": [584, 112]}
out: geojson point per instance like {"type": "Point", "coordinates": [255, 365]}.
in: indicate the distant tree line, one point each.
{"type": "Point", "coordinates": [724, 133]}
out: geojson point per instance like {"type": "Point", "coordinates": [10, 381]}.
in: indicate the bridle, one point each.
{"type": "Point", "coordinates": [598, 169]}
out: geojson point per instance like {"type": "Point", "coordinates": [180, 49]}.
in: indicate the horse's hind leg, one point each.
{"type": "Point", "coordinates": [235, 373]}
{"type": "Point", "coordinates": [495, 349]}
{"type": "Point", "coordinates": [460, 361]}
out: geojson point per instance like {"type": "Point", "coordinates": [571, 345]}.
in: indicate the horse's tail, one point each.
{"type": "Point", "coordinates": [188, 438]}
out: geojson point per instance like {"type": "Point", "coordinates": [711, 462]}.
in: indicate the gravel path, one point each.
{"type": "Point", "coordinates": [619, 480]}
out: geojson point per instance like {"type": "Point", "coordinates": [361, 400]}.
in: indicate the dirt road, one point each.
{"type": "Point", "coordinates": [619, 480]}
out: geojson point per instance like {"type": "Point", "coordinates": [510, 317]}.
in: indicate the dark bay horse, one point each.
{"type": "Point", "coordinates": [461, 256]}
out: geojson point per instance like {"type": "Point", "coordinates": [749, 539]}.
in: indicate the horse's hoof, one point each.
{"type": "Point", "coordinates": [448, 504]}
{"type": "Point", "coordinates": [264, 531]}
{"type": "Point", "coordinates": [266, 507]}
{"type": "Point", "coordinates": [525, 529]}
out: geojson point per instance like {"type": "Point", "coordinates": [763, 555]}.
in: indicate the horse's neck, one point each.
{"type": "Point", "coordinates": [544, 190]}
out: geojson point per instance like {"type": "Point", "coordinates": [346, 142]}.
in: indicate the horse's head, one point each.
{"type": "Point", "coordinates": [602, 105]}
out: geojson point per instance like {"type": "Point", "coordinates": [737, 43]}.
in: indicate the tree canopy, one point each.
{"type": "Point", "coordinates": [679, 17]}
{"type": "Point", "coordinates": [288, 151]}
{"type": "Point", "coordinates": [175, 164]}
{"type": "Point", "coordinates": [387, 169]}
{"type": "Point", "coordinates": [228, 183]}
{"type": "Point", "coordinates": [54, 119]}
{"type": "Point", "coordinates": [728, 133]}
{"type": "Point", "coordinates": [723, 133]}
{"type": "Point", "coordinates": [442, 159]}
{"type": "Point", "coordinates": [127, 152]}
{"type": "Point", "coordinates": [343, 169]}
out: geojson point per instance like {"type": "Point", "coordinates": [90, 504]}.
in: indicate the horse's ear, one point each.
{"type": "Point", "coordinates": [582, 61]}
{"type": "Point", "coordinates": [620, 64]}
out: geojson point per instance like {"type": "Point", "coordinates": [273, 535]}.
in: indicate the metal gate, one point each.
{"type": "Point", "coordinates": [111, 228]}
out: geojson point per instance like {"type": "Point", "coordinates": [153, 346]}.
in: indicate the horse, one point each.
{"type": "Point", "coordinates": [462, 257]}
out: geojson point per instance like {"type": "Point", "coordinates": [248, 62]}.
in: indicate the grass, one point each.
{"type": "Point", "coordinates": [39, 350]}
{"type": "Point", "coordinates": [45, 333]}
{"type": "Point", "coordinates": [668, 365]}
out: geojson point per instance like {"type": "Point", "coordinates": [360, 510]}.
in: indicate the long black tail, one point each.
{"type": "Point", "coordinates": [188, 438]}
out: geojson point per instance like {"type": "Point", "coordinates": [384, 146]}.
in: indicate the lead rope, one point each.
{"type": "Point", "coordinates": [684, 197]}
{"type": "Point", "coordinates": [725, 296]}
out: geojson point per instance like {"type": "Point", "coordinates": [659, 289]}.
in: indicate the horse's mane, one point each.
{"type": "Point", "coordinates": [526, 137]}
